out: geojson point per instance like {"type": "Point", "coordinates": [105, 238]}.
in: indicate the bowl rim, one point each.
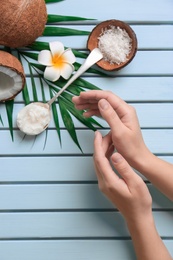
{"type": "Point", "coordinates": [96, 32]}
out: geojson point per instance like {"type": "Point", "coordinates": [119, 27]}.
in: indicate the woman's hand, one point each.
{"type": "Point", "coordinates": [122, 119]}
{"type": "Point", "coordinates": [126, 136]}
{"type": "Point", "coordinates": [127, 192]}
{"type": "Point", "coordinates": [131, 196]}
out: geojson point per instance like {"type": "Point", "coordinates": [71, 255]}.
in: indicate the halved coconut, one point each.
{"type": "Point", "coordinates": [22, 21]}
{"type": "Point", "coordinates": [12, 78]}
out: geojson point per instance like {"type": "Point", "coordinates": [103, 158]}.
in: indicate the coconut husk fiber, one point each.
{"type": "Point", "coordinates": [21, 21]}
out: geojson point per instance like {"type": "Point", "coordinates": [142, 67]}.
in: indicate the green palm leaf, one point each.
{"type": "Point", "coordinates": [66, 106]}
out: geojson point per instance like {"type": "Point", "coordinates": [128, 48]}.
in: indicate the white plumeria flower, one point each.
{"type": "Point", "coordinates": [58, 61]}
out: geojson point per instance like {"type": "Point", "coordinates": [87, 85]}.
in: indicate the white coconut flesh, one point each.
{"type": "Point", "coordinates": [11, 83]}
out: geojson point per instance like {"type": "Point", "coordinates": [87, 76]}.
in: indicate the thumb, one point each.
{"type": "Point", "coordinates": [111, 117]}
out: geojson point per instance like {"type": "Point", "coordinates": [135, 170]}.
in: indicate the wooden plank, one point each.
{"type": "Point", "coordinates": [81, 169]}
{"type": "Point", "coordinates": [66, 250]}
{"type": "Point", "coordinates": [148, 36]}
{"type": "Point", "coordinates": [70, 249]}
{"type": "Point", "coordinates": [147, 113]}
{"type": "Point", "coordinates": [36, 146]}
{"type": "Point", "coordinates": [64, 196]}
{"type": "Point", "coordinates": [115, 10]}
{"type": "Point", "coordinates": [138, 65]}
{"type": "Point", "coordinates": [63, 225]}
{"type": "Point", "coordinates": [158, 89]}
{"type": "Point", "coordinates": [52, 211]}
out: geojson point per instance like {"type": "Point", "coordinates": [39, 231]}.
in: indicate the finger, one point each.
{"type": "Point", "coordinates": [97, 144]}
{"type": "Point", "coordinates": [81, 104]}
{"type": "Point", "coordinates": [108, 146]}
{"type": "Point", "coordinates": [120, 106]}
{"type": "Point", "coordinates": [124, 169]}
{"type": "Point", "coordinates": [87, 106]}
{"type": "Point", "coordinates": [79, 100]}
{"type": "Point", "coordinates": [111, 117]}
{"type": "Point", "coordinates": [102, 165]}
{"type": "Point", "coordinates": [90, 113]}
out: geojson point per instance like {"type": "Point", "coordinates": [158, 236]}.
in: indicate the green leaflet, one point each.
{"type": "Point", "coordinates": [55, 116]}
{"type": "Point", "coordinates": [61, 31]}
{"type": "Point", "coordinates": [39, 46]}
{"type": "Point", "coordinates": [38, 67]}
{"type": "Point", "coordinates": [68, 122]}
{"type": "Point", "coordinates": [31, 55]}
{"type": "Point", "coordinates": [42, 91]}
{"type": "Point", "coordinates": [1, 120]}
{"type": "Point", "coordinates": [85, 84]}
{"type": "Point", "coordinates": [34, 91]}
{"type": "Point", "coordinates": [52, 18]}
{"type": "Point", "coordinates": [25, 94]}
{"type": "Point", "coordinates": [90, 70]}
{"type": "Point", "coordinates": [52, 1]}
{"type": "Point", "coordinates": [75, 88]}
{"type": "Point", "coordinates": [9, 108]}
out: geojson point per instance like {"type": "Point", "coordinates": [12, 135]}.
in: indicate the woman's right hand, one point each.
{"type": "Point", "coordinates": [122, 119]}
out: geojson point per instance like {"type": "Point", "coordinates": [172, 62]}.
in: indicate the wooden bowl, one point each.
{"type": "Point", "coordinates": [96, 33]}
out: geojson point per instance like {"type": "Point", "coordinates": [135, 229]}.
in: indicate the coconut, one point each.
{"type": "Point", "coordinates": [22, 21]}
{"type": "Point", "coordinates": [12, 78]}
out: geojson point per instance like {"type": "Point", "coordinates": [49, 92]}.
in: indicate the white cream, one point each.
{"type": "Point", "coordinates": [34, 118]}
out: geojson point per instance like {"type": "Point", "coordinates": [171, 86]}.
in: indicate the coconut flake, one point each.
{"type": "Point", "coordinates": [115, 45]}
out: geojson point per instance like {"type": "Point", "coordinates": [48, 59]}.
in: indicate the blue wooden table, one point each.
{"type": "Point", "coordinates": [50, 205]}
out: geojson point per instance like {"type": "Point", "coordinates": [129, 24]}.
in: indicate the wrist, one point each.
{"type": "Point", "coordinates": [146, 240]}
{"type": "Point", "coordinates": [140, 223]}
{"type": "Point", "coordinates": [142, 161]}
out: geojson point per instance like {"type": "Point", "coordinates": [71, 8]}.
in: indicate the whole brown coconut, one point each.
{"type": "Point", "coordinates": [12, 78]}
{"type": "Point", "coordinates": [21, 21]}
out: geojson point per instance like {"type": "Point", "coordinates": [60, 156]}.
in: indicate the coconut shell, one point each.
{"type": "Point", "coordinates": [21, 22]}
{"type": "Point", "coordinates": [9, 61]}
{"type": "Point", "coordinates": [93, 40]}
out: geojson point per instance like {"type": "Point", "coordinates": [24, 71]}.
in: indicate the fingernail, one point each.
{"type": "Point", "coordinates": [96, 133]}
{"type": "Point", "coordinates": [103, 104]}
{"type": "Point", "coordinates": [116, 158]}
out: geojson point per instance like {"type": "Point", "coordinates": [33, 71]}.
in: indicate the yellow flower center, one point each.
{"type": "Point", "coordinates": [57, 61]}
